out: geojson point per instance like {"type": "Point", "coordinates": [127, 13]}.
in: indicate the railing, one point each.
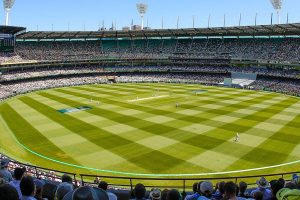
{"type": "Point", "coordinates": [126, 182]}
{"type": "Point", "coordinates": [184, 186]}
{"type": "Point", "coordinates": [39, 172]}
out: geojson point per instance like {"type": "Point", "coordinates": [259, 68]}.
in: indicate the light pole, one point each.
{"type": "Point", "coordinates": [7, 4]}
{"type": "Point", "coordinates": [142, 9]}
{"type": "Point", "coordinates": [277, 5]}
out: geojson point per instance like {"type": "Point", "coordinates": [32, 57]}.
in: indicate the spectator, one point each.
{"type": "Point", "coordinates": [243, 187]}
{"type": "Point", "coordinates": [39, 189]}
{"type": "Point", "coordinates": [139, 191]}
{"type": "Point", "coordinates": [263, 185]}
{"type": "Point", "coordinates": [219, 192]}
{"type": "Point", "coordinates": [164, 194]}
{"type": "Point", "coordinates": [103, 185]}
{"type": "Point", "coordinates": [66, 179]}
{"type": "Point", "coordinates": [86, 193]}
{"type": "Point", "coordinates": [62, 190]}
{"type": "Point", "coordinates": [155, 194]}
{"type": "Point", "coordinates": [18, 174]}
{"type": "Point", "coordinates": [258, 195]}
{"type": "Point", "coordinates": [173, 195]}
{"type": "Point", "coordinates": [8, 192]}
{"type": "Point", "coordinates": [230, 190]}
{"type": "Point", "coordinates": [287, 194]}
{"type": "Point", "coordinates": [4, 173]}
{"type": "Point", "coordinates": [28, 188]}
{"type": "Point", "coordinates": [276, 185]}
{"type": "Point", "coordinates": [206, 190]}
{"type": "Point", "coordinates": [195, 190]}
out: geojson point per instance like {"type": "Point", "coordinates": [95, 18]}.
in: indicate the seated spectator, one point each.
{"type": "Point", "coordinates": [39, 189]}
{"type": "Point", "coordinates": [219, 191]}
{"type": "Point", "coordinates": [230, 191]}
{"type": "Point", "coordinates": [287, 194]}
{"type": "Point", "coordinates": [4, 173]}
{"type": "Point", "coordinates": [164, 194]}
{"type": "Point", "coordinates": [86, 193]}
{"type": "Point", "coordinates": [155, 194]}
{"type": "Point", "coordinates": [263, 185]}
{"type": "Point", "coordinates": [28, 188]}
{"type": "Point", "coordinates": [18, 174]}
{"type": "Point", "coordinates": [139, 191]}
{"type": "Point", "coordinates": [297, 183]}
{"type": "Point", "coordinates": [276, 185]}
{"type": "Point", "coordinates": [174, 195]}
{"type": "Point", "coordinates": [290, 185]}
{"type": "Point", "coordinates": [62, 190]}
{"type": "Point", "coordinates": [195, 190]}
{"type": "Point", "coordinates": [243, 187]}
{"type": "Point", "coordinates": [103, 185]}
{"type": "Point", "coordinates": [206, 190]}
{"type": "Point", "coordinates": [8, 192]}
{"type": "Point", "coordinates": [258, 195]}
{"type": "Point", "coordinates": [66, 179]}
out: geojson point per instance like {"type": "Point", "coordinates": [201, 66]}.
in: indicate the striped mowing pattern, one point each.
{"type": "Point", "coordinates": [151, 135]}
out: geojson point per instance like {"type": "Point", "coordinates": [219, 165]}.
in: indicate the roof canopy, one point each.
{"type": "Point", "coordinates": [11, 29]}
{"type": "Point", "coordinates": [260, 30]}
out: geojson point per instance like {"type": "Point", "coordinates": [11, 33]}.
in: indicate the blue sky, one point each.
{"type": "Point", "coordinates": [78, 14]}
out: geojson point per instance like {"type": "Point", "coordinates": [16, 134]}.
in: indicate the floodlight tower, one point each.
{"type": "Point", "coordinates": [277, 5]}
{"type": "Point", "coordinates": [142, 9]}
{"type": "Point", "coordinates": [7, 4]}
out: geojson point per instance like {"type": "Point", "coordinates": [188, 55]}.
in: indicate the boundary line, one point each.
{"type": "Point", "coordinates": [154, 175]}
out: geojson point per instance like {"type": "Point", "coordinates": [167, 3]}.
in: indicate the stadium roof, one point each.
{"type": "Point", "coordinates": [11, 29]}
{"type": "Point", "coordinates": [260, 30]}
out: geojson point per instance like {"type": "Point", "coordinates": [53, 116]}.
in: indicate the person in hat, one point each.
{"type": "Point", "coordinates": [155, 194]}
{"type": "Point", "coordinates": [62, 189]}
{"type": "Point", "coordinates": [103, 185]}
{"type": "Point", "coordinates": [288, 194]}
{"type": "Point", "coordinates": [206, 190]}
{"type": "Point", "coordinates": [18, 174]}
{"type": "Point", "coordinates": [4, 173]}
{"type": "Point", "coordinates": [86, 193]}
{"type": "Point", "coordinates": [263, 185]}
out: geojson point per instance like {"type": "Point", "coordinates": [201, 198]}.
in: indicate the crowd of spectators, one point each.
{"type": "Point", "coordinates": [14, 88]}
{"type": "Point", "coordinates": [17, 82]}
{"type": "Point", "coordinates": [19, 183]}
{"type": "Point", "coordinates": [83, 69]}
{"type": "Point", "coordinates": [288, 86]}
{"type": "Point", "coordinates": [269, 49]}
{"type": "Point", "coordinates": [7, 57]}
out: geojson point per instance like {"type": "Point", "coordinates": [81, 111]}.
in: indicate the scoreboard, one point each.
{"type": "Point", "coordinates": [7, 43]}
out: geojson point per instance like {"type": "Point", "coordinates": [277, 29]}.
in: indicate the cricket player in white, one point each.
{"type": "Point", "coordinates": [237, 137]}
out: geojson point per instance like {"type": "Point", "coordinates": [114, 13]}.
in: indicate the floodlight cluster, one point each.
{"type": "Point", "coordinates": [142, 8]}
{"type": "Point", "coordinates": [277, 4]}
{"type": "Point", "coordinates": [8, 4]}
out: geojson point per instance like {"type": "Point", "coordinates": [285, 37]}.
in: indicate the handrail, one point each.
{"type": "Point", "coordinates": [235, 178]}
{"type": "Point", "coordinates": [37, 168]}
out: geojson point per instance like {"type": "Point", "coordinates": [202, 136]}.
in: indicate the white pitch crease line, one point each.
{"type": "Point", "coordinates": [148, 98]}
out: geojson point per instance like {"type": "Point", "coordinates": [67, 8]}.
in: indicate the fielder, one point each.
{"type": "Point", "coordinates": [237, 137]}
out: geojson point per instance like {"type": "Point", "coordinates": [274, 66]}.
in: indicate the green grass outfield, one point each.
{"type": "Point", "coordinates": [136, 128]}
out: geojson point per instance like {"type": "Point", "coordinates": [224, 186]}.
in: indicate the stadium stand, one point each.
{"type": "Point", "coordinates": [41, 64]}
